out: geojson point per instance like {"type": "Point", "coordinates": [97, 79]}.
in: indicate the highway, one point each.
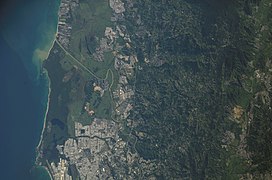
{"type": "Point", "coordinates": [86, 68]}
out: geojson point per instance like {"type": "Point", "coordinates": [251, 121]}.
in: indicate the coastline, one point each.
{"type": "Point", "coordinates": [47, 108]}
{"type": "Point", "coordinates": [49, 91]}
{"type": "Point", "coordinates": [39, 146]}
{"type": "Point", "coordinates": [49, 86]}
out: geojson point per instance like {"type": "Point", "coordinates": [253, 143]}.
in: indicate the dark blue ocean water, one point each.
{"type": "Point", "coordinates": [26, 27]}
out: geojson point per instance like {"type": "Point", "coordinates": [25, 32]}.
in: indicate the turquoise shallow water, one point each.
{"type": "Point", "coordinates": [27, 28]}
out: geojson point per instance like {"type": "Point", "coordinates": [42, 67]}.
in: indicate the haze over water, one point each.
{"type": "Point", "coordinates": [27, 29]}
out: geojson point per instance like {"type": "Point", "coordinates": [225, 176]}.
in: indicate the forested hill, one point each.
{"type": "Point", "coordinates": [203, 87]}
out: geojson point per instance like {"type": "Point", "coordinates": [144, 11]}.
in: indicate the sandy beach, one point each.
{"type": "Point", "coordinates": [49, 90]}
{"type": "Point", "coordinates": [39, 146]}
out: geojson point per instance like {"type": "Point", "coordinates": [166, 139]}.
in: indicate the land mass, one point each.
{"type": "Point", "coordinates": [159, 90]}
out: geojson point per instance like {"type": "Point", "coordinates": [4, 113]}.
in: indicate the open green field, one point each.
{"type": "Point", "coordinates": [103, 107]}
{"type": "Point", "coordinates": [89, 22]}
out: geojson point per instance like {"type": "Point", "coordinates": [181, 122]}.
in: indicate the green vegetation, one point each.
{"type": "Point", "coordinates": [260, 129]}
{"type": "Point", "coordinates": [89, 23]}
{"type": "Point", "coordinates": [202, 104]}
{"type": "Point", "coordinates": [71, 69]}
{"type": "Point", "coordinates": [210, 52]}
{"type": "Point", "coordinates": [59, 98]}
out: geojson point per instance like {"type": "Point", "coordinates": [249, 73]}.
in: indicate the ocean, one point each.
{"type": "Point", "coordinates": [27, 30]}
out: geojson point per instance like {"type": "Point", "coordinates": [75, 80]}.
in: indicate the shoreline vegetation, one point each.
{"type": "Point", "coordinates": [211, 72]}
{"type": "Point", "coordinates": [60, 63]}
{"type": "Point", "coordinates": [44, 71]}
{"type": "Point", "coordinates": [49, 89]}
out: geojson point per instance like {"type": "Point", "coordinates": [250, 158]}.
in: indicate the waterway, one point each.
{"type": "Point", "coordinates": [27, 30]}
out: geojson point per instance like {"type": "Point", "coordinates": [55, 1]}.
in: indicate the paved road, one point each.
{"type": "Point", "coordinates": [77, 61]}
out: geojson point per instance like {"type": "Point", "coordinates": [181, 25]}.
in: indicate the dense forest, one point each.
{"type": "Point", "coordinates": [204, 111]}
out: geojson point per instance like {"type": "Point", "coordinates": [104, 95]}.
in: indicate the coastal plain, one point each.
{"type": "Point", "coordinates": [159, 90]}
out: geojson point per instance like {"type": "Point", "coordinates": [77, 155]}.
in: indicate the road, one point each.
{"type": "Point", "coordinates": [78, 62]}
{"type": "Point", "coordinates": [86, 68]}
